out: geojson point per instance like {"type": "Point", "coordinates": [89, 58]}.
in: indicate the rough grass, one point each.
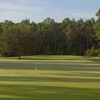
{"type": "Point", "coordinates": [60, 79]}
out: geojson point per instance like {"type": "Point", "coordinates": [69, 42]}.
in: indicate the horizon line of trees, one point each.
{"type": "Point", "coordinates": [69, 37]}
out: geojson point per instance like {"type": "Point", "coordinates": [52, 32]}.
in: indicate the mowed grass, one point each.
{"type": "Point", "coordinates": [65, 78]}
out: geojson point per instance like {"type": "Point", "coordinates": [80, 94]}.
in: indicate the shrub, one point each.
{"type": "Point", "coordinates": [92, 52]}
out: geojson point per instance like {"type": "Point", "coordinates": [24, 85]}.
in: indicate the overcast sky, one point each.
{"type": "Point", "coordinates": [38, 10]}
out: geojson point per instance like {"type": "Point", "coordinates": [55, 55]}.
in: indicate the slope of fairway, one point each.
{"type": "Point", "coordinates": [53, 57]}
{"type": "Point", "coordinates": [60, 57]}
{"type": "Point", "coordinates": [64, 79]}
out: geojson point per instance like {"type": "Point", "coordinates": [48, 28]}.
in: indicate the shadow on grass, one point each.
{"type": "Point", "coordinates": [44, 66]}
{"type": "Point", "coordinates": [45, 79]}
{"type": "Point", "coordinates": [49, 66]}
{"type": "Point", "coordinates": [80, 73]}
{"type": "Point", "coordinates": [37, 92]}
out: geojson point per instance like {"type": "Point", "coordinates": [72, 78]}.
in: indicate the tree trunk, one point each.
{"type": "Point", "coordinates": [18, 54]}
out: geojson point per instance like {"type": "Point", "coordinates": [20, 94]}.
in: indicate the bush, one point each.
{"type": "Point", "coordinates": [92, 52]}
{"type": "Point", "coordinates": [8, 54]}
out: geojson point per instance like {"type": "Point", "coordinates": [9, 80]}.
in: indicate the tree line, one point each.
{"type": "Point", "coordinates": [69, 37]}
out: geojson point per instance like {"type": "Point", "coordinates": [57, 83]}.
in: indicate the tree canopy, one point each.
{"type": "Point", "coordinates": [49, 37]}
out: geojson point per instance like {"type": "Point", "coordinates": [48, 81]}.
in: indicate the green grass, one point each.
{"type": "Point", "coordinates": [53, 57]}
{"type": "Point", "coordinates": [59, 57]}
{"type": "Point", "coordinates": [57, 78]}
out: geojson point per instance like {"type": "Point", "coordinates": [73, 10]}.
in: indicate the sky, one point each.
{"type": "Point", "coordinates": [38, 10]}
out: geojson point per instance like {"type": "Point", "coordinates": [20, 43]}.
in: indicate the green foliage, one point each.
{"type": "Point", "coordinates": [92, 52]}
{"type": "Point", "coordinates": [49, 37]}
{"type": "Point", "coordinates": [97, 25]}
{"type": "Point", "coordinates": [98, 13]}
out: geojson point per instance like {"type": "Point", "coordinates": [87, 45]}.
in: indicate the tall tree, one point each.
{"type": "Point", "coordinates": [21, 38]}
{"type": "Point", "coordinates": [49, 37]}
{"type": "Point", "coordinates": [97, 25]}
